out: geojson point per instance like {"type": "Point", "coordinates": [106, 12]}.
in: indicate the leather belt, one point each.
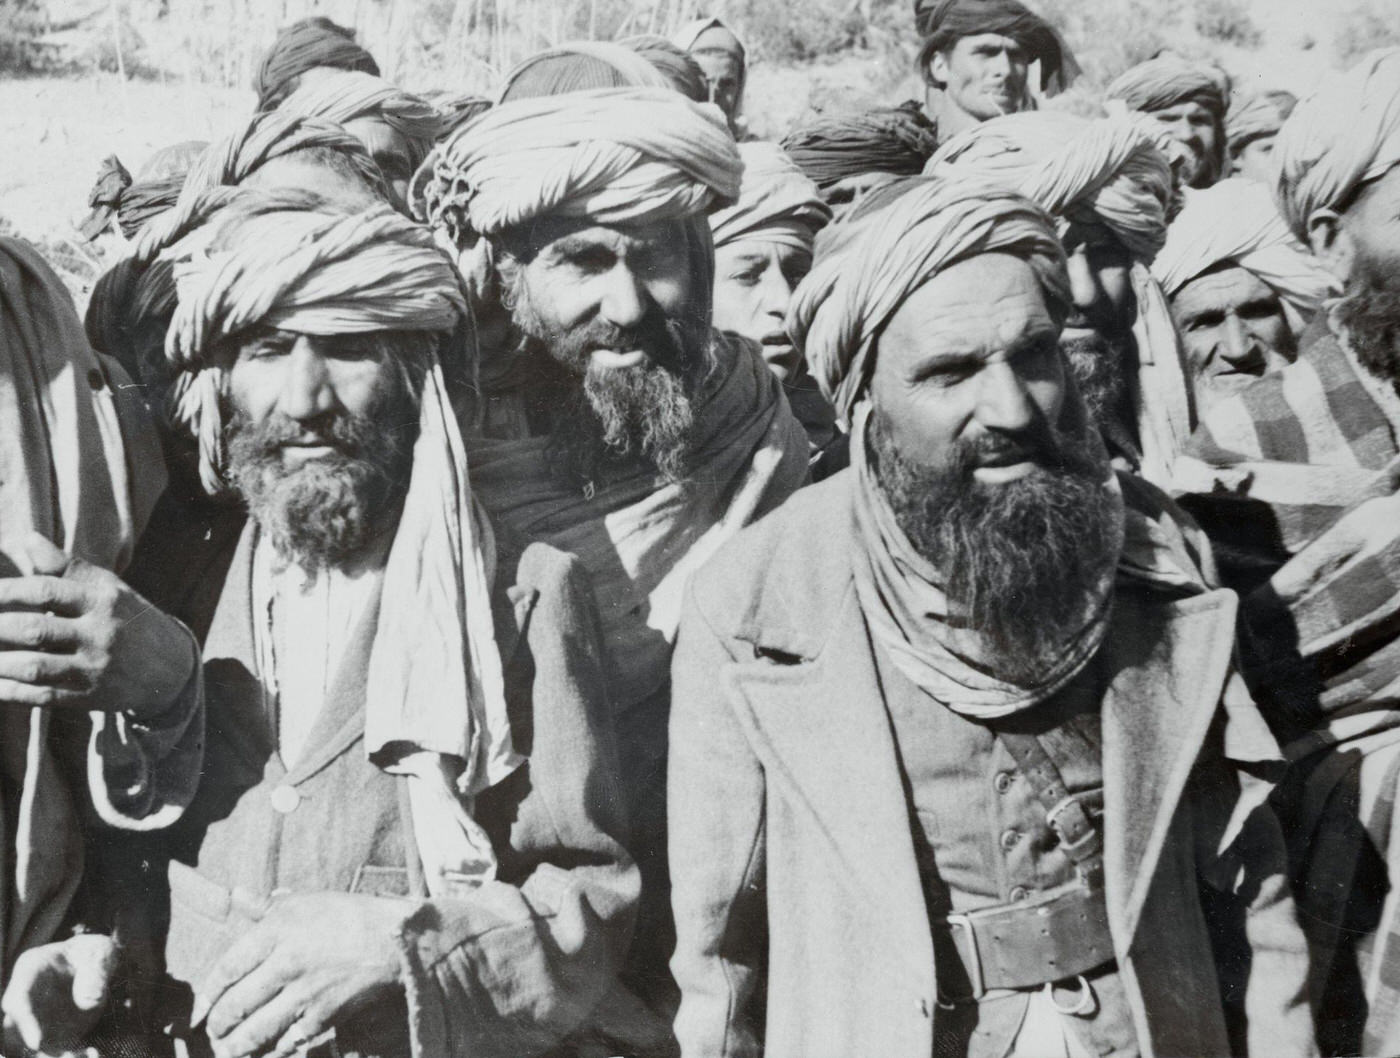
{"type": "Point", "coordinates": [1031, 943]}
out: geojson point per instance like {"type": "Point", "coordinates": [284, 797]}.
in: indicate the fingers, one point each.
{"type": "Point", "coordinates": [276, 1020]}
{"type": "Point", "coordinates": [36, 973]}
{"type": "Point", "coordinates": [244, 999]}
{"type": "Point", "coordinates": [40, 696]}
{"type": "Point", "coordinates": [38, 631]}
{"type": "Point", "coordinates": [43, 555]}
{"type": "Point", "coordinates": [46, 594]}
{"type": "Point", "coordinates": [245, 956]}
{"type": "Point", "coordinates": [92, 957]}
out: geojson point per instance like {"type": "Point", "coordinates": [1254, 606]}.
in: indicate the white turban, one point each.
{"type": "Point", "coordinates": [612, 155]}
{"type": "Point", "coordinates": [1344, 134]}
{"type": "Point", "coordinates": [868, 265]}
{"type": "Point", "coordinates": [1106, 169]}
{"type": "Point", "coordinates": [345, 95]}
{"type": "Point", "coordinates": [777, 201]}
{"type": "Point", "coordinates": [1236, 221]}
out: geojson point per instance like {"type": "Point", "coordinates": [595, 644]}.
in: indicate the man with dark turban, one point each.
{"type": "Point", "coordinates": [955, 742]}
{"type": "Point", "coordinates": [1295, 478]}
{"type": "Point", "coordinates": [623, 428]}
{"type": "Point", "coordinates": [1188, 100]}
{"type": "Point", "coordinates": [975, 58]}
{"type": "Point", "coordinates": [308, 44]}
{"type": "Point", "coordinates": [681, 71]}
{"type": "Point", "coordinates": [1110, 191]}
{"type": "Point", "coordinates": [1250, 130]}
{"type": "Point", "coordinates": [723, 60]}
{"type": "Point", "coordinates": [406, 837]}
{"type": "Point", "coordinates": [396, 127]}
{"type": "Point", "coordinates": [1241, 288]}
{"type": "Point", "coordinates": [131, 202]}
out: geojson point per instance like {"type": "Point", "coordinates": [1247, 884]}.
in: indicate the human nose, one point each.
{"type": "Point", "coordinates": [999, 66]}
{"type": "Point", "coordinates": [624, 302]}
{"type": "Point", "coordinates": [1237, 345]}
{"type": "Point", "coordinates": [1003, 402]}
{"type": "Point", "coordinates": [775, 294]}
{"type": "Point", "coordinates": [1083, 287]}
{"type": "Point", "coordinates": [307, 390]}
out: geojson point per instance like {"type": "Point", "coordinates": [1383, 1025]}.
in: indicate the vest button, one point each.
{"type": "Point", "coordinates": [1003, 781]}
{"type": "Point", "coordinates": [1009, 839]}
{"type": "Point", "coordinates": [285, 799]}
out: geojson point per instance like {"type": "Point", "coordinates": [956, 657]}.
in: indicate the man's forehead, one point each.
{"type": "Point", "coordinates": [1224, 286]}
{"type": "Point", "coordinates": [561, 235]}
{"type": "Point", "coordinates": [990, 39]}
{"type": "Point", "coordinates": [982, 305]}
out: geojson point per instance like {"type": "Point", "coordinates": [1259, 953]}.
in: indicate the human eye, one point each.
{"type": "Point", "coordinates": [1205, 321]}
{"type": "Point", "coordinates": [1257, 310]}
{"type": "Point", "coordinates": [590, 260]}
{"type": "Point", "coordinates": [269, 347]}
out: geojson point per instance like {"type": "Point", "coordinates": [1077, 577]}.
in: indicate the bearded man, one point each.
{"type": "Point", "coordinates": [1295, 479]}
{"type": "Point", "coordinates": [1188, 101]}
{"type": "Point", "coordinates": [406, 835]}
{"type": "Point", "coordinates": [623, 428]}
{"type": "Point", "coordinates": [1110, 189]}
{"type": "Point", "coordinates": [1241, 287]}
{"type": "Point", "coordinates": [948, 769]}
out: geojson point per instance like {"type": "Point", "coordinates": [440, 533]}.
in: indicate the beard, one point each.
{"type": "Point", "coordinates": [607, 418]}
{"type": "Point", "coordinates": [322, 513]}
{"type": "Point", "coordinates": [1370, 314]}
{"type": "Point", "coordinates": [1020, 560]}
{"type": "Point", "coordinates": [1099, 366]}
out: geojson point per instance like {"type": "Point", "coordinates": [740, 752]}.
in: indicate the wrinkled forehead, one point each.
{"type": "Point", "coordinates": [1227, 285]}
{"type": "Point", "coordinates": [550, 237]}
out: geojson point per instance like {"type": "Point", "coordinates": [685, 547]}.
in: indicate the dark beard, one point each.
{"type": "Point", "coordinates": [1370, 315]}
{"type": "Point", "coordinates": [1099, 366]}
{"type": "Point", "coordinates": [323, 513]}
{"type": "Point", "coordinates": [1017, 558]}
{"type": "Point", "coordinates": [605, 419]}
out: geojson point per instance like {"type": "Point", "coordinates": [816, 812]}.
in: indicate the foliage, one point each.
{"type": "Point", "coordinates": [22, 25]}
{"type": "Point", "coordinates": [1228, 22]}
{"type": "Point", "coordinates": [1362, 27]}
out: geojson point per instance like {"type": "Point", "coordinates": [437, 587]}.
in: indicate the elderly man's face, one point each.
{"type": "Point", "coordinates": [720, 57]}
{"type": "Point", "coordinates": [390, 150]}
{"type": "Point", "coordinates": [1233, 330]}
{"type": "Point", "coordinates": [971, 362]}
{"type": "Point", "coordinates": [754, 281]}
{"type": "Point", "coordinates": [983, 75]}
{"type": "Point", "coordinates": [1194, 126]}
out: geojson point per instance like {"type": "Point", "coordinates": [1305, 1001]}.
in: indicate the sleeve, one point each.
{"type": "Point", "coordinates": [142, 775]}
{"type": "Point", "coordinates": [515, 966]}
{"type": "Point", "coordinates": [717, 835]}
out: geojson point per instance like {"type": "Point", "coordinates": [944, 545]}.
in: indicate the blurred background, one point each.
{"type": "Point", "coordinates": [81, 79]}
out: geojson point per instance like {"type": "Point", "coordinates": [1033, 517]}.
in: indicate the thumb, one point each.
{"type": "Point", "coordinates": [43, 557]}
{"type": "Point", "coordinates": [92, 958]}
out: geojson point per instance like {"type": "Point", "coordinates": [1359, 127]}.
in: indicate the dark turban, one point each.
{"type": "Point", "coordinates": [579, 66]}
{"type": "Point", "coordinates": [672, 63]}
{"type": "Point", "coordinates": [896, 140]}
{"type": "Point", "coordinates": [942, 23]}
{"type": "Point", "coordinates": [1169, 80]}
{"type": "Point", "coordinates": [302, 46]}
{"type": "Point", "coordinates": [134, 202]}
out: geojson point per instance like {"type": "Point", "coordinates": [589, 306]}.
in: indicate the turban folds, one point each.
{"type": "Point", "coordinates": [1343, 135]}
{"type": "Point", "coordinates": [942, 23]}
{"type": "Point", "coordinates": [1261, 115]}
{"type": "Point", "coordinates": [1168, 80]}
{"type": "Point", "coordinates": [613, 155]}
{"type": "Point", "coordinates": [344, 95]}
{"type": "Point", "coordinates": [134, 202]}
{"type": "Point", "coordinates": [777, 202]}
{"type": "Point", "coordinates": [1237, 222]}
{"type": "Point", "coordinates": [302, 46]}
{"type": "Point", "coordinates": [1108, 168]}
{"type": "Point", "coordinates": [895, 140]}
{"type": "Point", "coordinates": [579, 66]}
{"type": "Point", "coordinates": [680, 71]}
{"type": "Point", "coordinates": [867, 266]}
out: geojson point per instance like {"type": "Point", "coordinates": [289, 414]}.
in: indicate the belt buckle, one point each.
{"type": "Point", "coordinates": [974, 971]}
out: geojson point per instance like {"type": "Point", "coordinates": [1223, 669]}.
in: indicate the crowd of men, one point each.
{"type": "Point", "coordinates": [554, 575]}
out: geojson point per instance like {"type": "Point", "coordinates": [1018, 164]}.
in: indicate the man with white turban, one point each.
{"type": "Point", "coordinates": [934, 717]}
{"type": "Point", "coordinates": [1241, 287]}
{"type": "Point", "coordinates": [1188, 100]}
{"type": "Point", "coordinates": [1250, 131]}
{"type": "Point", "coordinates": [623, 428]}
{"type": "Point", "coordinates": [1110, 190]}
{"type": "Point", "coordinates": [406, 838]}
{"type": "Point", "coordinates": [1295, 478]}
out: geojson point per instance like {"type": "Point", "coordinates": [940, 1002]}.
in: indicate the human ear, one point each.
{"type": "Point", "coordinates": [1331, 243]}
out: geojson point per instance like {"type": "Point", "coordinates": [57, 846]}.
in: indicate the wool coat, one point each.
{"type": "Point", "coordinates": [801, 921]}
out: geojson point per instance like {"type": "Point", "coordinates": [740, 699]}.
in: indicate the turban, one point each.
{"type": "Point", "coordinates": [613, 155]}
{"type": "Point", "coordinates": [457, 108]}
{"type": "Point", "coordinates": [942, 23]}
{"type": "Point", "coordinates": [134, 202]}
{"type": "Point", "coordinates": [579, 66]}
{"type": "Point", "coordinates": [898, 240]}
{"type": "Point", "coordinates": [776, 202]}
{"type": "Point", "coordinates": [305, 45]}
{"type": "Point", "coordinates": [895, 140]}
{"type": "Point", "coordinates": [1168, 80]}
{"type": "Point", "coordinates": [1343, 135]}
{"type": "Point", "coordinates": [1237, 222]}
{"type": "Point", "coordinates": [344, 95]}
{"type": "Point", "coordinates": [680, 71]}
{"type": "Point", "coordinates": [1261, 115]}
{"type": "Point", "coordinates": [689, 35]}
{"type": "Point", "coordinates": [1106, 168]}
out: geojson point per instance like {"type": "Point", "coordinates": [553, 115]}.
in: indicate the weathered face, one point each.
{"type": "Point", "coordinates": [390, 150]}
{"type": "Point", "coordinates": [972, 359]}
{"type": "Point", "coordinates": [754, 281]}
{"type": "Point", "coordinates": [1100, 276]}
{"type": "Point", "coordinates": [983, 75]}
{"type": "Point", "coordinates": [1373, 222]}
{"type": "Point", "coordinates": [1233, 330]}
{"type": "Point", "coordinates": [720, 57]}
{"type": "Point", "coordinates": [1252, 161]}
{"type": "Point", "coordinates": [1194, 126]}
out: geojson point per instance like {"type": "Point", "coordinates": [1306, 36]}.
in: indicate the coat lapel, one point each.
{"type": "Point", "coordinates": [1171, 660]}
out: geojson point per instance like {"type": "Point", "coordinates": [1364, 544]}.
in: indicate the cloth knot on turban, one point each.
{"type": "Point", "coordinates": [135, 202]}
{"type": "Point", "coordinates": [895, 140]}
{"type": "Point", "coordinates": [302, 46]}
{"type": "Point", "coordinates": [1236, 222]}
{"type": "Point", "coordinates": [777, 202]}
{"type": "Point", "coordinates": [867, 266]}
{"type": "Point", "coordinates": [1106, 169]}
{"type": "Point", "coordinates": [1343, 135]}
{"type": "Point", "coordinates": [613, 155]}
{"type": "Point", "coordinates": [343, 95]}
{"type": "Point", "coordinates": [1170, 79]}
{"type": "Point", "coordinates": [942, 23]}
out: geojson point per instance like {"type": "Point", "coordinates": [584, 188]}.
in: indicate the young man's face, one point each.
{"type": "Point", "coordinates": [1195, 127]}
{"type": "Point", "coordinates": [720, 57]}
{"type": "Point", "coordinates": [754, 281]}
{"type": "Point", "coordinates": [983, 75]}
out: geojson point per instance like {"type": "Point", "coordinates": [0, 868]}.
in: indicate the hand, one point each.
{"type": "Point", "coordinates": [311, 959]}
{"type": "Point", "coordinates": [74, 635]}
{"type": "Point", "coordinates": [57, 992]}
{"type": "Point", "coordinates": [1367, 529]}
